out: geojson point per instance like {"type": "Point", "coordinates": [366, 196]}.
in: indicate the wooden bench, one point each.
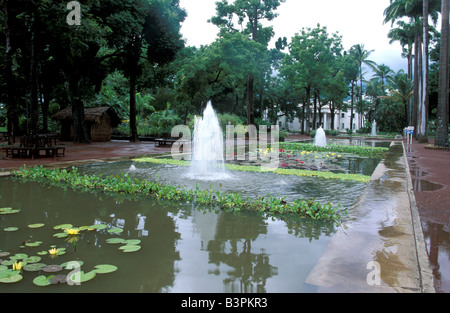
{"type": "Point", "coordinates": [32, 147]}
{"type": "Point", "coordinates": [165, 141]}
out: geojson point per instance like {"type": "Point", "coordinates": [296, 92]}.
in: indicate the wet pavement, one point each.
{"type": "Point", "coordinates": [381, 248]}
{"type": "Point", "coordinates": [388, 244]}
{"type": "Point", "coordinates": [430, 174]}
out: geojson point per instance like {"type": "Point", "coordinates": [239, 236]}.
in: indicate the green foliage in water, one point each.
{"type": "Point", "coordinates": [124, 184]}
{"type": "Point", "coordinates": [258, 169]}
{"type": "Point", "coordinates": [373, 152]}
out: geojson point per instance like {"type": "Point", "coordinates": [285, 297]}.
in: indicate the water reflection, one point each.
{"type": "Point", "coordinates": [184, 248]}
{"type": "Point", "coordinates": [438, 246]}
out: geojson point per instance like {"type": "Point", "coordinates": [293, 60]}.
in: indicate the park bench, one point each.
{"type": "Point", "coordinates": [33, 146]}
{"type": "Point", "coordinates": [165, 141]}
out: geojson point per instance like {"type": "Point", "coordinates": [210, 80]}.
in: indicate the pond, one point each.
{"type": "Point", "coordinates": [248, 184]}
{"type": "Point", "coordinates": [143, 245]}
{"type": "Point", "coordinates": [183, 248]}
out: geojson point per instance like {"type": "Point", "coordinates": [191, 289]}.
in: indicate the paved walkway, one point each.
{"type": "Point", "coordinates": [381, 248]}
{"type": "Point", "coordinates": [430, 172]}
{"type": "Point", "coordinates": [87, 152]}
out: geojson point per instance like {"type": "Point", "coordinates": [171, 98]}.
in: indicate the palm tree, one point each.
{"type": "Point", "coordinates": [442, 113]}
{"type": "Point", "coordinates": [418, 11]}
{"type": "Point", "coordinates": [401, 89]}
{"type": "Point", "coordinates": [405, 35]}
{"type": "Point", "coordinates": [385, 74]}
{"type": "Point", "coordinates": [362, 55]}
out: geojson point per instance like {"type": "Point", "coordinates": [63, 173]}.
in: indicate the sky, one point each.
{"type": "Point", "coordinates": [357, 21]}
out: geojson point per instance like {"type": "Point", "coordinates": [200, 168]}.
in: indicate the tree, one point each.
{"type": "Point", "coordinates": [362, 55]}
{"type": "Point", "coordinates": [442, 112]}
{"type": "Point", "coordinates": [309, 63]}
{"type": "Point", "coordinates": [405, 35]}
{"type": "Point", "coordinates": [418, 11]}
{"type": "Point", "coordinates": [153, 36]}
{"type": "Point", "coordinates": [251, 12]}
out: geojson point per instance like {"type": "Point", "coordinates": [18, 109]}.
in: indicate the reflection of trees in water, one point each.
{"type": "Point", "coordinates": [308, 228]}
{"type": "Point", "coordinates": [438, 240]}
{"type": "Point", "coordinates": [232, 247]}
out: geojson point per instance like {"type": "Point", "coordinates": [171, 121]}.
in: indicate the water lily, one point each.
{"type": "Point", "coordinates": [302, 162]}
{"type": "Point", "coordinates": [72, 231]}
{"type": "Point", "coordinates": [17, 266]}
{"type": "Point", "coordinates": [339, 156]}
{"type": "Point", "coordinates": [53, 251]}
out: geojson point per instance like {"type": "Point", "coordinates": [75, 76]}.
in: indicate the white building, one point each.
{"type": "Point", "coordinates": [341, 120]}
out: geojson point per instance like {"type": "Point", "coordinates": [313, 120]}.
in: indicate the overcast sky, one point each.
{"type": "Point", "coordinates": [357, 21]}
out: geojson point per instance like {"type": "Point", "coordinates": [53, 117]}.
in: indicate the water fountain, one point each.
{"type": "Point", "coordinates": [374, 128]}
{"type": "Point", "coordinates": [207, 144]}
{"type": "Point", "coordinates": [320, 139]}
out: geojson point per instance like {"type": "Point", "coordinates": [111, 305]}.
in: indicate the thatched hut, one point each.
{"type": "Point", "coordinates": [99, 122]}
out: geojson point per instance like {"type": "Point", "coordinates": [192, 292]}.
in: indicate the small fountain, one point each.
{"type": "Point", "coordinates": [374, 128]}
{"type": "Point", "coordinates": [208, 152]}
{"type": "Point", "coordinates": [320, 139]}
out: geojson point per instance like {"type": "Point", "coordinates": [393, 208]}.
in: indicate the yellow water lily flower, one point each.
{"type": "Point", "coordinates": [17, 266]}
{"type": "Point", "coordinates": [339, 156]}
{"type": "Point", "coordinates": [72, 231]}
{"type": "Point", "coordinates": [53, 251]}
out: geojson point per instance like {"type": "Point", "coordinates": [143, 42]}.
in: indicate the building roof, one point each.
{"type": "Point", "coordinates": [93, 115]}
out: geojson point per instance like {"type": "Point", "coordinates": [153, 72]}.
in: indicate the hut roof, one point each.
{"type": "Point", "coordinates": [90, 114]}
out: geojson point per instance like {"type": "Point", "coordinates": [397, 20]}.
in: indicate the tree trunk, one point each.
{"type": "Point", "coordinates": [416, 82]}
{"type": "Point", "coordinates": [250, 109]}
{"type": "Point", "coordinates": [133, 125]}
{"type": "Point", "coordinates": [307, 112]}
{"type": "Point", "coordinates": [34, 97]}
{"type": "Point", "coordinates": [10, 103]}
{"type": "Point", "coordinates": [351, 109]}
{"type": "Point", "coordinates": [422, 131]}
{"type": "Point", "coordinates": [442, 112]}
{"type": "Point", "coordinates": [80, 134]}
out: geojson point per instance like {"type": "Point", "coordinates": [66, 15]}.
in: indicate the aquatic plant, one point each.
{"type": "Point", "coordinates": [374, 152]}
{"type": "Point", "coordinates": [124, 184]}
{"type": "Point", "coordinates": [279, 171]}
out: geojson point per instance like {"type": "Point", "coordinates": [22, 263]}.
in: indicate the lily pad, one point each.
{"type": "Point", "coordinates": [34, 267]}
{"type": "Point", "coordinates": [8, 262]}
{"type": "Point", "coordinates": [41, 281]}
{"type": "Point", "coordinates": [63, 226]}
{"type": "Point", "coordinates": [11, 229]}
{"type": "Point", "coordinates": [132, 242]}
{"type": "Point", "coordinates": [11, 279]}
{"type": "Point", "coordinates": [64, 265]}
{"type": "Point", "coordinates": [32, 259]}
{"type": "Point", "coordinates": [37, 225]}
{"type": "Point", "coordinates": [8, 211]}
{"type": "Point", "coordinates": [4, 253]}
{"type": "Point", "coordinates": [6, 273]}
{"type": "Point", "coordinates": [3, 268]}
{"type": "Point", "coordinates": [105, 268]}
{"type": "Point", "coordinates": [98, 226]}
{"type": "Point", "coordinates": [115, 240]}
{"type": "Point", "coordinates": [19, 256]}
{"type": "Point", "coordinates": [60, 235]}
{"type": "Point", "coordinates": [84, 277]}
{"type": "Point", "coordinates": [42, 253]}
{"type": "Point", "coordinates": [130, 248]}
{"type": "Point", "coordinates": [33, 244]}
{"type": "Point", "coordinates": [57, 279]}
{"type": "Point", "coordinates": [115, 230]}
{"type": "Point", "coordinates": [52, 268]}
